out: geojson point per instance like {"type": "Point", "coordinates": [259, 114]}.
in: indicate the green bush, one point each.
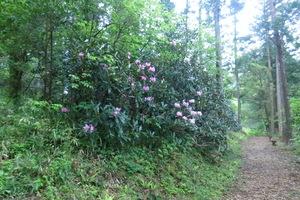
{"type": "Point", "coordinates": [295, 108]}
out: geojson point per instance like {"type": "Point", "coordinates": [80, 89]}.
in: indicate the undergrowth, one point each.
{"type": "Point", "coordinates": [43, 159]}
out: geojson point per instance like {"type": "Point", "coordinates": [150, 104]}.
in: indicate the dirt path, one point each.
{"type": "Point", "coordinates": [267, 173]}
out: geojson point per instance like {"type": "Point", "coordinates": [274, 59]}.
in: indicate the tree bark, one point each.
{"type": "Point", "coordinates": [236, 71]}
{"type": "Point", "coordinates": [187, 10]}
{"type": "Point", "coordinates": [200, 29]}
{"type": "Point", "coordinates": [48, 63]}
{"type": "Point", "coordinates": [217, 11]}
{"type": "Point", "coordinates": [284, 116]}
{"type": "Point", "coordinates": [16, 74]}
{"type": "Point", "coordinates": [271, 93]}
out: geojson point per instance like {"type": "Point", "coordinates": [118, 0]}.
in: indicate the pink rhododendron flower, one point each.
{"type": "Point", "coordinates": [173, 43]}
{"type": "Point", "coordinates": [148, 64]}
{"type": "Point", "coordinates": [144, 78]}
{"type": "Point", "coordinates": [199, 93]}
{"type": "Point", "coordinates": [199, 113]}
{"type": "Point", "coordinates": [149, 99]}
{"type": "Point", "coordinates": [86, 128]}
{"type": "Point", "coordinates": [192, 121]}
{"type": "Point", "coordinates": [116, 112]}
{"type": "Point", "coordinates": [66, 92]}
{"type": "Point", "coordinates": [179, 114]}
{"type": "Point", "coordinates": [184, 118]}
{"type": "Point", "coordinates": [64, 110]}
{"type": "Point", "coordinates": [186, 104]}
{"type": "Point", "coordinates": [129, 55]}
{"type": "Point", "coordinates": [192, 101]}
{"type": "Point", "coordinates": [92, 128]}
{"type": "Point", "coordinates": [137, 62]}
{"type": "Point", "coordinates": [177, 105]}
{"type": "Point", "coordinates": [194, 113]}
{"type": "Point", "coordinates": [153, 79]}
{"type": "Point", "coordinates": [146, 88]}
{"type": "Point", "coordinates": [142, 67]}
{"type": "Point", "coordinates": [81, 55]}
{"type": "Point", "coordinates": [89, 128]}
{"type": "Point", "coordinates": [151, 69]}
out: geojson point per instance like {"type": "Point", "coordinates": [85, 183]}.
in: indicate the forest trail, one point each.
{"type": "Point", "coordinates": [267, 173]}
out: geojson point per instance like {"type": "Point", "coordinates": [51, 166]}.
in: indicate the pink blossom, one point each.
{"type": "Point", "coordinates": [199, 93]}
{"type": "Point", "coordinates": [192, 121]}
{"type": "Point", "coordinates": [149, 99]}
{"type": "Point", "coordinates": [66, 92]}
{"type": "Point", "coordinates": [86, 128]}
{"type": "Point", "coordinates": [151, 69]}
{"type": "Point", "coordinates": [173, 43]}
{"type": "Point", "coordinates": [92, 128]}
{"type": "Point", "coordinates": [179, 114]}
{"type": "Point", "coordinates": [192, 101]}
{"type": "Point", "coordinates": [194, 113]}
{"type": "Point", "coordinates": [146, 88]}
{"type": "Point", "coordinates": [199, 113]}
{"type": "Point", "coordinates": [137, 62]}
{"type": "Point", "coordinates": [186, 104]}
{"type": "Point", "coordinates": [116, 112]}
{"type": "Point", "coordinates": [129, 55]}
{"type": "Point", "coordinates": [184, 118]}
{"type": "Point", "coordinates": [177, 105]}
{"type": "Point", "coordinates": [153, 79]}
{"type": "Point", "coordinates": [89, 128]}
{"type": "Point", "coordinates": [142, 67]}
{"type": "Point", "coordinates": [81, 55]}
{"type": "Point", "coordinates": [148, 64]}
{"type": "Point", "coordinates": [144, 78]}
{"type": "Point", "coordinates": [64, 110]}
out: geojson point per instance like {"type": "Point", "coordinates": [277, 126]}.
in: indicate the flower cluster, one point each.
{"type": "Point", "coordinates": [81, 55]}
{"type": "Point", "coordinates": [89, 128]}
{"type": "Point", "coordinates": [186, 112]}
{"type": "Point", "coordinates": [65, 110]}
{"type": "Point", "coordinates": [116, 112]}
{"type": "Point", "coordinates": [173, 43]}
{"type": "Point", "coordinates": [148, 77]}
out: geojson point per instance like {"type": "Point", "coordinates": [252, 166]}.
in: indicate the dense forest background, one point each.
{"type": "Point", "coordinates": [98, 77]}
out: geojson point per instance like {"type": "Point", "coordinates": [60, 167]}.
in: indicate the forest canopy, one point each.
{"type": "Point", "coordinates": [97, 75]}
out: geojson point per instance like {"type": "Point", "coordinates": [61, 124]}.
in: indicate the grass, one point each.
{"type": "Point", "coordinates": [39, 159]}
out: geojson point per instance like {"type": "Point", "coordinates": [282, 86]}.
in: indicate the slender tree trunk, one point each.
{"type": "Point", "coordinates": [236, 71]}
{"type": "Point", "coordinates": [217, 11]}
{"type": "Point", "coordinates": [271, 93]}
{"type": "Point", "coordinates": [187, 10]}
{"type": "Point", "coordinates": [48, 63]}
{"type": "Point", "coordinates": [200, 56]}
{"type": "Point", "coordinates": [16, 74]}
{"type": "Point", "coordinates": [284, 117]}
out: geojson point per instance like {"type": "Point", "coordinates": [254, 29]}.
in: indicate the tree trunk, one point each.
{"type": "Point", "coordinates": [48, 64]}
{"type": "Point", "coordinates": [200, 29]}
{"type": "Point", "coordinates": [217, 10]}
{"type": "Point", "coordinates": [271, 93]}
{"type": "Point", "coordinates": [236, 71]}
{"type": "Point", "coordinates": [15, 75]}
{"type": "Point", "coordinates": [187, 10]}
{"type": "Point", "coordinates": [15, 78]}
{"type": "Point", "coordinates": [284, 117]}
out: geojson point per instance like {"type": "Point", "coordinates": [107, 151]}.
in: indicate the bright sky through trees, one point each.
{"type": "Point", "coordinates": [246, 16]}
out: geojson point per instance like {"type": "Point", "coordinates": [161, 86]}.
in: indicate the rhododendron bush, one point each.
{"type": "Point", "coordinates": [135, 101]}
{"type": "Point", "coordinates": [124, 73]}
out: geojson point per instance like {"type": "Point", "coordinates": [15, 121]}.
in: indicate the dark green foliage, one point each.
{"type": "Point", "coordinates": [40, 160]}
{"type": "Point", "coordinates": [83, 56]}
